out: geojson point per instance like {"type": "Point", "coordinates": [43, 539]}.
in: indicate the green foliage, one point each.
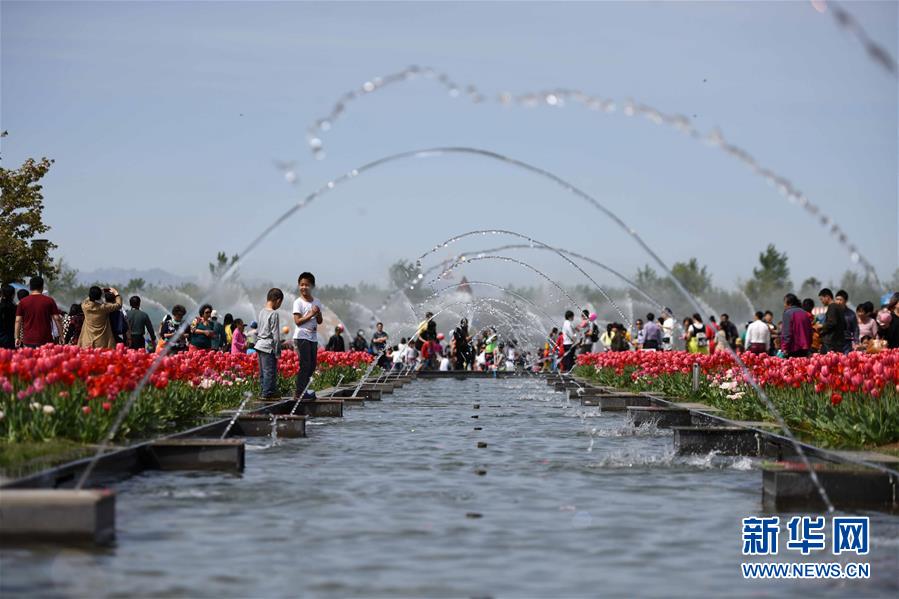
{"type": "Point", "coordinates": [859, 287]}
{"type": "Point", "coordinates": [695, 278]}
{"type": "Point", "coordinates": [771, 278]}
{"type": "Point", "coordinates": [218, 268]}
{"type": "Point", "coordinates": [810, 287]}
{"type": "Point", "coordinates": [21, 221]}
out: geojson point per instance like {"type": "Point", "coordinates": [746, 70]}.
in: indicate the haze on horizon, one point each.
{"type": "Point", "coordinates": [165, 120]}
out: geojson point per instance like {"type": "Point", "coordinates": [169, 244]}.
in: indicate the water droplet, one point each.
{"type": "Point", "coordinates": [420, 276]}
{"type": "Point", "coordinates": [855, 257]}
{"type": "Point", "coordinates": [552, 99]}
{"type": "Point", "coordinates": [354, 172]}
{"type": "Point", "coordinates": [368, 86]}
{"type": "Point", "coordinates": [319, 154]}
{"type": "Point", "coordinates": [454, 92]}
{"type": "Point", "coordinates": [290, 177]}
{"type": "Point", "coordinates": [325, 125]}
{"type": "Point", "coordinates": [330, 184]}
{"type": "Point", "coordinates": [315, 143]}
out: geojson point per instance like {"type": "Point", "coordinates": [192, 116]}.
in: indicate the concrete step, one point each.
{"type": "Point", "coordinates": [614, 403]}
{"type": "Point", "coordinates": [194, 454]}
{"type": "Point", "coordinates": [363, 395]}
{"type": "Point", "coordinates": [321, 408]}
{"type": "Point", "coordinates": [260, 425]}
{"type": "Point", "coordinates": [787, 486]}
{"type": "Point", "coordinates": [663, 417]}
{"type": "Point", "coordinates": [59, 515]}
{"type": "Point", "coordinates": [724, 440]}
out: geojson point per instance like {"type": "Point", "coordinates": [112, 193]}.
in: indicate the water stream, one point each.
{"type": "Point", "coordinates": [376, 504]}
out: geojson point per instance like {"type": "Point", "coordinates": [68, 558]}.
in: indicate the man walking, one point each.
{"type": "Point", "coordinates": [833, 330]}
{"type": "Point", "coordinates": [138, 322]}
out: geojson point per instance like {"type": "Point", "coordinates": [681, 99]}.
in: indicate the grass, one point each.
{"type": "Point", "coordinates": [23, 457]}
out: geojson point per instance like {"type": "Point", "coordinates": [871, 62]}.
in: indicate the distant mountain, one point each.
{"type": "Point", "coordinates": [120, 276]}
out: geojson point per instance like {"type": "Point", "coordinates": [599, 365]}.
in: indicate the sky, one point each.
{"type": "Point", "coordinates": [165, 120]}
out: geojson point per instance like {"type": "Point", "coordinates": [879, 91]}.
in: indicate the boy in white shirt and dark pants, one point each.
{"type": "Point", "coordinates": [307, 315]}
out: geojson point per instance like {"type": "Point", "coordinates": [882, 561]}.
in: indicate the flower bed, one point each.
{"type": "Point", "coordinates": [73, 393]}
{"type": "Point", "coordinates": [833, 400]}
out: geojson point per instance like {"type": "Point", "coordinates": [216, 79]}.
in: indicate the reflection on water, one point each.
{"type": "Point", "coordinates": [375, 504]}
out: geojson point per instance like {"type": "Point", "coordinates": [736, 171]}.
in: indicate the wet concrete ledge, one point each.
{"type": "Point", "coordinates": [68, 516]}
{"type": "Point", "coordinates": [120, 463]}
{"type": "Point", "coordinates": [787, 485]}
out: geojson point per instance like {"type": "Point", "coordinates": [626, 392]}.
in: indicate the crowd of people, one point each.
{"type": "Point", "coordinates": [30, 318]}
{"type": "Point", "coordinates": [803, 329]}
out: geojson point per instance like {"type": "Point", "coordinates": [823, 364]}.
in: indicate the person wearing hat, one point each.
{"type": "Point", "coordinates": [220, 338]}
{"type": "Point", "coordinates": [359, 343]}
{"type": "Point", "coordinates": [336, 343]}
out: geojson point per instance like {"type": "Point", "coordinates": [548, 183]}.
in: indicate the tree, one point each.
{"type": "Point", "coordinates": [646, 277]}
{"type": "Point", "coordinates": [860, 288]}
{"type": "Point", "coordinates": [221, 265]}
{"type": "Point", "coordinates": [696, 279]}
{"type": "Point", "coordinates": [810, 287]}
{"type": "Point", "coordinates": [135, 284]}
{"type": "Point", "coordinates": [21, 208]}
{"type": "Point", "coordinates": [773, 274]}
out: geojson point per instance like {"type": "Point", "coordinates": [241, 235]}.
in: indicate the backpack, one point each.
{"type": "Point", "coordinates": [699, 335]}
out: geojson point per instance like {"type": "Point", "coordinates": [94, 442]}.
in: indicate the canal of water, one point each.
{"type": "Point", "coordinates": [397, 499]}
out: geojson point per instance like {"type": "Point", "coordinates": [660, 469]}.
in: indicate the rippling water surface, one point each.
{"type": "Point", "coordinates": [388, 501]}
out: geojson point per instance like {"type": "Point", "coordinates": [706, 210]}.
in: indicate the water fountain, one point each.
{"type": "Point", "coordinates": [557, 98]}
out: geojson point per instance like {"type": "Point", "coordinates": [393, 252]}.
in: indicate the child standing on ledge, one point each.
{"type": "Point", "coordinates": [268, 343]}
{"type": "Point", "coordinates": [307, 315]}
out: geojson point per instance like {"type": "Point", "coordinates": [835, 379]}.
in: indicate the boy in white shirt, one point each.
{"type": "Point", "coordinates": [307, 315]}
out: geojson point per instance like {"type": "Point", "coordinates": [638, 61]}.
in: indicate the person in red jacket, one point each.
{"type": "Point", "coordinates": [796, 331]}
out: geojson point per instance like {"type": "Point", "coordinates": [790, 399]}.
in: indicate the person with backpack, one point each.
{"type": "Point", "coordinates": [591, 333]}
{"type": "Point", "coordinates": [697, 340]}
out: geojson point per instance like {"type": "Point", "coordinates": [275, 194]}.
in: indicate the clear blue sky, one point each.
{"type": "Point", "coordinates": [164, 120]}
